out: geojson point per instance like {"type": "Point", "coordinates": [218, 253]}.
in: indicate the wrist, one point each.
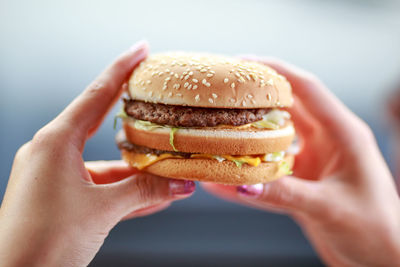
{"type": "Point", "coordinates": [24, 243]}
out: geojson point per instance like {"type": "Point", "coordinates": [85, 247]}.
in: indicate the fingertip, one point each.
{"type": "Point", "coordinates": [181, 188]}
{"type": "Point", "coordinates": [252, 191]}
{"type": "Point", "coordinates": [141, 45]}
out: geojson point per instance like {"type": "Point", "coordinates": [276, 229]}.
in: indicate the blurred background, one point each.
{"type": "Point", "coordinates": [50, 50]}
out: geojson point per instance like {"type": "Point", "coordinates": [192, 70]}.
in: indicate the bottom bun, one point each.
{"type": "Point", "coordinates": [208, 170]}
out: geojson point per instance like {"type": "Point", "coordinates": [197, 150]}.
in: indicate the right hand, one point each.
{"type": "Point", "coordinates": [342, 193]}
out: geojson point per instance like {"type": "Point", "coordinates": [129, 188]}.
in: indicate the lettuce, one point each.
{"type": "Point", "coordinates": [284, 166]}
{"type": "Point", "coordinates": [238, 163]}
{"type": "Point", "coordinates": [272, 120]}
{"type": "Point", "coordinates": [147, 125]}
{"type": "Point", "coordinates": [171, 137]}
{"type": "Point", "coordinates": [274, 156]}
{"type": "Point", "coordinates": [265, 124]}
{"type": "Point", "coordinates": [121, 114]}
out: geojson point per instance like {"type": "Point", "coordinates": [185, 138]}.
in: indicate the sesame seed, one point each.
{"type": "Point", "coordinates": [208, 84]}
{"type": "Point", "coordinates": [253, 76]}
{"type": "Point", "coordinates": [211, 71]}
{"type": "Point", "coordinates": [186, 84]}
{"type": "Point", "coordinates": [233, 85]}
{"type": "Point", "coordinates": [241, 80]}
{"type": "Point", "coordinates": [214, 95]}
{"type": "Point", "coordinates": [191, 73]}
{"type": "Point", "coordinates": [209, 75]}
{"type": "Point", "coordinates": [197, 98]}
{"type": "Point", "coordinates": [179, 94]}
{"type": "Point", "coordinates": [160, 73]}
{"type": "Point", "coordinates": [148, 82]}
{"type": "Point", "coordinates": [270, 82]}
{"type": "Point", "coordinates": [232, 100]}
{"type": "Point", "coordinates": [167, 79]}
{"type": "Point", "coordinates": [211, 100]}
{"type": "Point", "coordinates": [195, 80]}
{"type": "Point", "coordinates": [176, 75]}
{"type": "Point", "coordinates": [194, 87]}
{"type": "Point", "coordinates": [167, 70]}
{"type": "Point", "coordinates": [250, 96]}
{"type": "Point", "coordinates": [244, 103]}
{"type": "Point", "coordinates": [248, 77]}
{"type": "Point", "coordinates": [169, 94]}
{"type": "Point", "coordinates": [253, 101]}
{"type": "Point", "coordinates": [181, 77]}
{"type": "Point", "coordinates": [176, 86]}
{"type": "Point", "coordinates": [203, 70]}
{"type": "Point", "coordinates": [184, 73]}
{"type": "Point", "coordinates": [189, 87]}
{"type": "Point", "coordinates": [269, 97]}
{"type": "Point", "coordinates": [237, 74]}
{"type": "Point", "coordinates": [187, 77]}
{"type": "Point", "coordinates": [164, 87]}
{"type": "Point", "coordinates": [204, 81]}
{"type": "Point", "coordinates": [226, 80]}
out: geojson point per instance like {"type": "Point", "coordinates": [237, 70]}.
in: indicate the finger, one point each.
{"type": "Point", "coordinates": [288, 193]}
{"type": "Point", "coordinates": [105, 172]}
{"type": "Point", "coordinates": [142, 190]}
{"type": "Point", "coordinates": [304, 122]}
{"type": "Point", "coordinates": [229, 193]}
{"type": "Point", "coordinates": [318, 100]}
{"type": "Point", "coordinates": [89, 108]}
{"type": "Point", "coordinates": [147, 211]}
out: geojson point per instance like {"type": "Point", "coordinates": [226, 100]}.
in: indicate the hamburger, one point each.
{"type": "Point", "coordinates": [208, 118]}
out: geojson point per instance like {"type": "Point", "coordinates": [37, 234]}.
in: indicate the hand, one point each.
{"type": "Point", "coordinates": [57, 210]}
{"type": "Point", "coordinates": [341, 193]}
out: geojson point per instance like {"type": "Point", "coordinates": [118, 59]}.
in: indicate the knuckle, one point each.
{"type": "Point", "coordinates": [282, 193]}
{"type": "Point", "coordinates": [50, 136]}
{"type": "Point", "coordinates": [22, 151]}
{"type": "Point", "coordinates": [96, 89]}
{"type": "Point", "coordinates": [146, 189]}
{"type": "Point", "coordinates": [365, 132]}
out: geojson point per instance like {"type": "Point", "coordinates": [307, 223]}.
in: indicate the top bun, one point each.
{"type": "Point", "coordinates": [206, 80]}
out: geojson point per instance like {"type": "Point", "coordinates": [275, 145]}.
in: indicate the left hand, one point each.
{"type": "Point", "coordinates": [57, 210]}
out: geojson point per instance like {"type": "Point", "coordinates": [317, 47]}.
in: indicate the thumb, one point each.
{"type": "Point", "coordinates": [289, 194]}
{"type": "Point", "coordinates": [143, 190]}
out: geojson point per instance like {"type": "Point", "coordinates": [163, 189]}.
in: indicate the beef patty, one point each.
{"type": "Point", "coordinates": [123, 143]}
{"type": "Point", "coordinates": [183, 116]}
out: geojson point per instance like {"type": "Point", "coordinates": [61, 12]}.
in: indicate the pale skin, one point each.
{"type": "Point", "coordinates": [341, 192]}
{"type": "Point", "coordinates": [57, 209]}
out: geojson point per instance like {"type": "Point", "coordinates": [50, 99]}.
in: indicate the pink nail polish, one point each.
{"type": "Point", "coordinates": [252, 191]}
{"type": "Point", "coordinates": [181, 187]}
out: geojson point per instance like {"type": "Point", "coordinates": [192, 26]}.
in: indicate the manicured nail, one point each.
{"type": "Point", "coordinates": [252, 191]}
{"type": "Point", "coordinates": [181, 187]}
{"type": "Point", "coordinates": [141, 45]}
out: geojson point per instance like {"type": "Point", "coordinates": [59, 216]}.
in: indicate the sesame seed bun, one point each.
{"type": "Point", "coordinates": [205, 80]}
{"type": "Point", "coordinates": [208, 170]}
{"type": "Point", "coordinates": [231, 141]}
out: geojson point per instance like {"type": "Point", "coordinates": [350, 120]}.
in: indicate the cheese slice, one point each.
{"type": "Point", "coordinates": [141, 161]}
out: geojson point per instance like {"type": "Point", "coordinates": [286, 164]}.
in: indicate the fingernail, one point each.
{"type": "Point", "coordinates": [181, 187]}
{"type": "Point", "coordinates": [141, 45]}
{"type": "Point", "coordinates": [252, 191]}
